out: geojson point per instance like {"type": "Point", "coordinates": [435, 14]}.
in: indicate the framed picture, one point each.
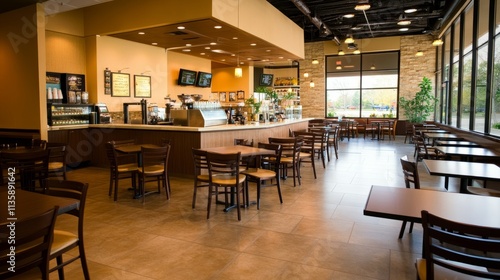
{"type": "Point", "coordinates": [240, 95]}
{"type": "Point", "coordinates": [213, 96]}
{"type": "Point", "coordinates": [107, 81]}
{"type": "Point", "coordinates": [232, 96]}
{"type": "Point", "coordinates": [142, 86]}
{"type": "Point", "coordinates": [222, 96]}
{"type": "Point", "coordinates": [120, 84]}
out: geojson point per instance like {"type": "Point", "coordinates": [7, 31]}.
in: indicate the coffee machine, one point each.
{"type": "Point", "coordinates": [101, 114]}
{"type": "Point", "coordinates": [144, 111]}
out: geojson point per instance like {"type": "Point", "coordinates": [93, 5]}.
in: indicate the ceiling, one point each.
{"type": "Point", "coordinates": [380, 20]}
{"type": "Point", "coordinates": [321, 20]}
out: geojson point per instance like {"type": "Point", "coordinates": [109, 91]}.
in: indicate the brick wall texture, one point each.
{"type": "Point", "coordinates": [412, 70]}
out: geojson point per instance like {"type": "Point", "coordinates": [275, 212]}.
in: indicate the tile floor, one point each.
{"type": "Point", "coordinates": [319, 232]}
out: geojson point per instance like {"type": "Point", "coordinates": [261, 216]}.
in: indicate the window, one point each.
{"type": "Point", "coordinates": [362, 85]}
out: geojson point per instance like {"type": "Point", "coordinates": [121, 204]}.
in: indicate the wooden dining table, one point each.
{"type": "Point", "coordinates": [405, 204]}
{"type": "Point", "coordinates": [468, 153]}
{"type": "Point", "coordinates": [440, 136]}
{"type": "Point", "coordinates": [462, 169]}
{"type": "Point", "coordinates": [456, 143]}
{"type": "Point", "coordinates": [28, 204]}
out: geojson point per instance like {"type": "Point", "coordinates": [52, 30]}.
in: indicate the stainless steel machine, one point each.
{"type": "Point", "coordinates": [201, 116]}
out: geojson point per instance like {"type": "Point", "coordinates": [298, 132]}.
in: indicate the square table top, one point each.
{"type": "Point", "coordinates": [406, 204]}
{"type": "Point", "coordinates": [130, 149]}
{"type": "Point", "coordinates": [28, 204]}
{"type": "Point", "coordinates": [467, 151]}
{"type": "Point", "coordinates": [462, 169]}
{"type": "Point", "coordinates": [244, 150]}
{"type": "Point", "coordinates": [440, 135]}
{"type": "Point", "coordinates": [457, 143]}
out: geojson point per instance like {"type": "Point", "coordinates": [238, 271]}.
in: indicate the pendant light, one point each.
{"type": "Point", "coordinates": [238, 71]}
{"type": "Point", "coordinates": [437, 42]}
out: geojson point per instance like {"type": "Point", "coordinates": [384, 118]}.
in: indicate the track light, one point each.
{"type": "Point", "coordinates": [403, 20]}
{"type": "Point", "coordinates": [419, 53]}
{"type": "Point", "coordinates": [437, 42]}
{"type": "Point", "coordinates": [362, 6]}
{"type": "Point", "coordinates": [315, 61]}
{"type": "Point", "coordinates": [349, 39]}
{"type": "Point", "coordinates": [341, 52]}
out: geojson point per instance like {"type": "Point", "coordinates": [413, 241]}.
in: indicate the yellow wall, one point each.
{"type": "Point", "coordinates": [65, 53]}
{"type": "Point", "coordinates": [224, 80]}
{"type": "Point", "coordinates": [22, 53]}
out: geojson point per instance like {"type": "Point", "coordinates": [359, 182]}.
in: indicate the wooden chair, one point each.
{"type": "Point", "coordinates": [453, 250]}
{"type": "Point", "coordinates": [323, 143]}
{"type": "Point", "coordinates": [290, 156]}
{"type": "Point", "coordinates": [32, 165]}
{"type": "Point", "coordinates": [243, 142]}
{"type": "Point", "coordinates": [38, 143]}
{"type": "Point", "coordinates": [410, 173]}
{"type": "Point", "coordinates": [246, 161]}
{"type": "Point", "coordinates": [57, 160]}
{"type": "Point", "coordinates": [268, 171]}
{"type": "Point", "coordinates": [333, 140]}
{"type": "Point", "coordinates": [33, 237]}
{"type": "Point", "coordinates": [408, 131]}
{"type": "Point", "coordinates": [224, 171]}
{"type": "Point", "coordinates": [309, 148]}
{"type": "Point", "coordinates": [422, 151]}
{"type": "Point", "coordinates": [121, 166]}
{"type": "Point", "coordinates": [66, 241]}
{"type": "Point", "coordinates": [201, 177]}
{"type": "Point", "coordinates": [154, 164]}
{"type": "Point", "coordinates": [389, 129]}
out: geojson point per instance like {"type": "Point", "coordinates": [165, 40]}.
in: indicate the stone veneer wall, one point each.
{"type": "Point", "coordinates": [412, 70]}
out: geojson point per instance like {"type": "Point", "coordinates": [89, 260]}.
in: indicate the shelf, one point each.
{"type": "Point", "coordinates": [291, 86]}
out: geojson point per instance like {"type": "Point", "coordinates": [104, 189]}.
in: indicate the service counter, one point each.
{"type": "Point", "coordinates": [87, 143]}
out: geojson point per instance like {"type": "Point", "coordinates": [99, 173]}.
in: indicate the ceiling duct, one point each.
{"type": "Point", "coordinates": [324, 31]}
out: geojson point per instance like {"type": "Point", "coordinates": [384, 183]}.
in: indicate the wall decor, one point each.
{"type": "Point", "coordinates": [107, 81]}
{"type": "Point", "coordinates": [232, 96]}
{"type": "Point", "coordinates": [142, 86]}
{"type": "Point", "coordinates": [222, 96]}
{"type": "Point", "coordinates": [214, 96]}
{"type": "Point", "coordinates": [120, 84]}
{"type": "Point", "coordinates": [240, 95]}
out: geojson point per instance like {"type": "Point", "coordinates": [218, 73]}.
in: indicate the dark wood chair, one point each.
{"type": "Point", "coordinates": [269, 171]}
{"type": "Point", "coordinates": [57, 160]}
{"type": "Point", "coordinates": [410, 173]}
{"type": "Point", "coordinates": [309, 148]}
{"type": "Point", "coordinates": [453, 250]}
{"type": "Point", "coordinates": [66, 241]}
{"type": "Point", "coordinates": [121, 166]}
{"type": "Point", "coordinates": [224, 172]}
{"type": "Point", "coordinates": [422, 151]}
{"type": "Point", "coordinates": [290, 156]}
{"type": "Point", "coordinates": [154, 164]}
{"type": "Point", "coordinates": [34, 237]}
{"type": "Point", "coordinates": [31, 166]}
{"type": "Point", "coordinates": [201, 177]}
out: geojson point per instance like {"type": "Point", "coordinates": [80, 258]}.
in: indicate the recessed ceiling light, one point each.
{"type": "Point", "coordinates": [233, 54]}
{"type": "Point", "coordinates": [253, 44]}
{"type": "Point", "coordinates": [338, 67]}
{"type": "Point", "coordinates": [280, 57]}
{"type": "Point", "coordinates": [213, 44]}
{"type": "Point", "coordinates": [217, 51]}
{"type": "Point", "coordinates": [356, 27]}
{"type": "Point", "coordinates": [223, 59]}
{"type": "Point", "coordinates": [235, 38]}
{"type": "Point", "coordinates": [188, 45]}
{"type": "Point", "coordinates": [180, 27]}
{"type": "Point", "coordinates": [249, 58]}
{"type": "Point", "coordinates": [362, 7]}
{"type": "Point", "coordinates": [217, 27]}
{"type": "Point", "coordinates": [356, 52]}
{"type": "Point", "coordinates": [202, 53]}
{"type": "Point", "coordinates": [141, 33]}
{"type": "Point", "coordinates": [349, 16]}
{"type": "Point", "coordinates": [268, 50]}
{"type": "Point", "coordinates": [404, 29]}
{"type": "Point", "coordinates": [186, 50]}
{"type": "Point", "coordinates": [207, 48]}
{"type": "Point", "coordinates": [409, 11]}
{"type": "Point", "coordinates": [154, 44]}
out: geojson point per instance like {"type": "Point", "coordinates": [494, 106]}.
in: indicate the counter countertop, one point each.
{"type": "Point", "coordinates": [182, 128]}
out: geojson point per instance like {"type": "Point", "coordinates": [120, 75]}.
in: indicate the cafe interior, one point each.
{"type": "Point", "coordinates": [389, 170]}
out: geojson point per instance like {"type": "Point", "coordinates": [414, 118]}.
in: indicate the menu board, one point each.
{"type": "Point", "coordinates": [120, 84]}
{"type": "Point", "coordinates": [142, 86]}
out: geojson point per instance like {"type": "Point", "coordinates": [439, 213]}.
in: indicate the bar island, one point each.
{"type": "Point", "coordinates": [86, 142]}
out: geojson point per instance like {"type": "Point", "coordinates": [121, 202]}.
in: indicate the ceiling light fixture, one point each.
{"type": "Point", "coordinates": [181, 27]}
{"type": "Point", "coordinates": [141, 33]}
{"type": "Point", "coordinates": [362, 6]}
{"type": "Point", "coordinates": [411, 10]}
{"type": "Point", "coordinates": [311, 84]}
{"type": "Point", "coordinates": [357, 51]}
{"type": "Point", "coordinates": [404, 29]}
{"type": "Point", "coordinates": [372, 67]}
{"type": "Point", "coordinates": [306, 75]}
{"type": "Point", "coordinates": [437, 42]}
{"type": "Point", "coordinates": [403, 20]}
{"type": "Point", "coordinates": [341, 52]}
{"type": "Point", "coordinates": [315, 61]}
{"type": "Point", "coordinates": [217, 27]}
{"type": "Point", "coordinates": [349, 16]}
{"type": "Point", "coordinates": [349, 39]}
{"type": "Point", "coordinates": [338, 67]}
{"type": "Point", "coordinates": [419, 53]}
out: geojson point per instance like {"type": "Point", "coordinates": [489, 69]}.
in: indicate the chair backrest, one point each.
{"type": "Point", "coordinates": [420, 146]}
{"type": "Point", "coordinates": [309, 140]}
{"type": "Point", "coordinates": [70, 189]}
{"type": "Point", "coordinates": [57, 152]}
{"type": "Point", "coordinates": [32, 165]}
{"type": "Point", "coordinates": [155, 156]}
{"type": "Point", "coordinates": [38, 143]}
{"type": "Point", "coordinates": [243, 142]}
{"type": "Point", "coordinates": [410, 172]}
{"type": "Point", "coordinates": [273, 159]}
{"type": "Point", "coordinates": [224, 165]}
{"type": "Point", "coordinates": [116, 159]}
{"type": "Point", "coordinates": [465, 248]}
{"type": "Point", "coordinates": [33, 239]}
{"type": "Point", "coordinates": [199, 161]}
{"type": "Point", "coordinates": [165, 141]}
{"type": "Point", "coordinates": [290, 147]}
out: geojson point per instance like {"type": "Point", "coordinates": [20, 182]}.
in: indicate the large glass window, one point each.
{"type": "Point", "coordinates": [480, 97]}
{"type": "Point", "coordinates": [362, 85]}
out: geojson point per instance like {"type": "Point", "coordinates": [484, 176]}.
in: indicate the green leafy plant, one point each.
{"type": "Point", "coordinates": [254, 104]}
{"type": "Point", "coordinates": [496, 125]}
{"type": "Point", "coordinates": [419, 108]}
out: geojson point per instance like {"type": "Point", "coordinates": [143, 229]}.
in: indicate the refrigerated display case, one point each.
{"type": "Point", "coordinates": [68, 114]}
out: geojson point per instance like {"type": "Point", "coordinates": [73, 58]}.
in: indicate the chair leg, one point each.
{"type": "Point", "coordinates": [194, 192]}
{"type": "Point", "coordinates": [238, 206]}
{"type": "Point", "coordinates": [258, 194]}
{"type": "Point", "coordinates": [83, 260]}
{"type": "Point", "coordinates": [209, 204]}
{"type": "Point", "coordinates": [60, 271]}
{"type": "Point", "coordinates": [411, 227]}
{"type": "Point", "coordinates": [278, 186]}
{"type": "Point", "coordinates": [402, 231]}
{"type": "Point", "coordinates": [115, 198]}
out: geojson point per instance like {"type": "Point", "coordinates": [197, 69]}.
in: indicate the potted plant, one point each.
{"type": "Point", "coordinates": [255, 107]}
{"type": "Point", "coordinates": [419, 108]}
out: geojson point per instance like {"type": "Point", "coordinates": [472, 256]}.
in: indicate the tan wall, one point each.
{"type": "Point", "coordinates": [22, 52]}
{"type": "Point", "coordinates": [224, 80]}
{"type": "Point", "coordinates": [412, 68]}
{"type": "Point", "coordinates": [177, 61]}
{"type": "Point", "coordinates": [65, 53]}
